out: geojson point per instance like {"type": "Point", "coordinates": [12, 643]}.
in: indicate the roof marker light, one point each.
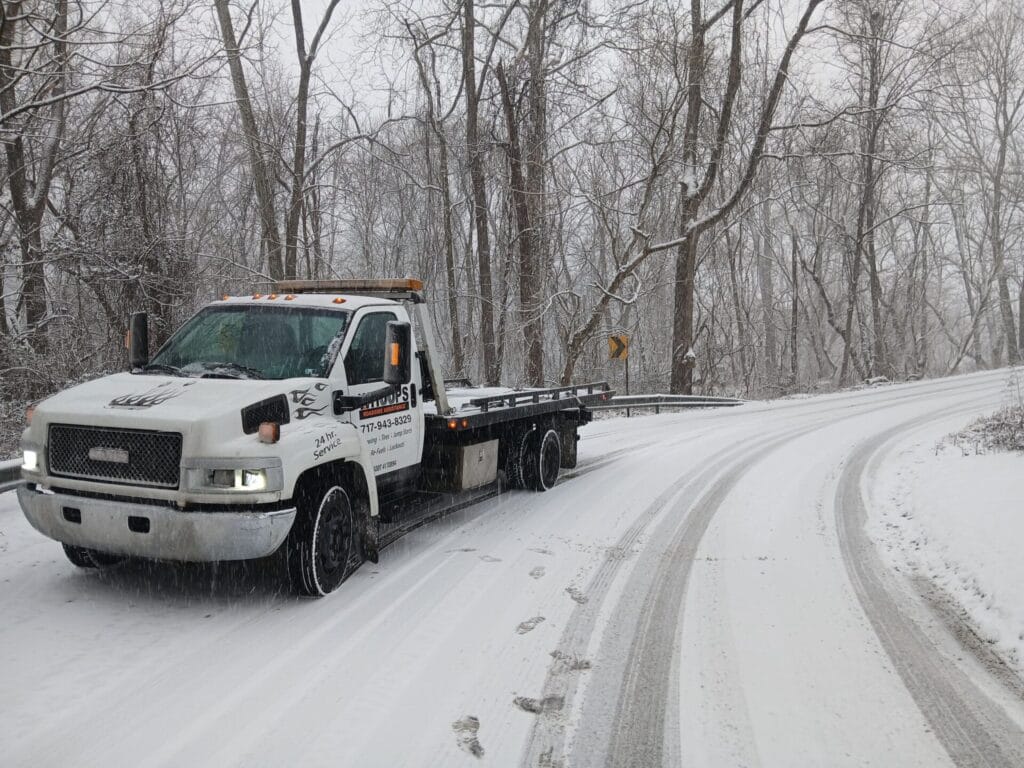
{"type": "Point", "coordinates": [272, 296]}
{"type": "Point", "coordinates": [338, 300]}
{"type": "Point", "coordinates": [289, 297]}
{"type": "Point", "coordinates": [257, 295]}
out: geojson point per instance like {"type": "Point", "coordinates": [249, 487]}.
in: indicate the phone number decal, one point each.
{"type": "Point", "coordinates": [379, 424]}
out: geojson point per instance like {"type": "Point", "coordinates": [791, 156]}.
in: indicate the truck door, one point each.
{"type": "Point", "coordinates": [393, 426]}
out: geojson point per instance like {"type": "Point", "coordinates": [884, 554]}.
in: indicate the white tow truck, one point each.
{"type": "Point", "coordinates": [309, 422]}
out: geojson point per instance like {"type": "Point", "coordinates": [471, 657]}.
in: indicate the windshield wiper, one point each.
{"type": "Point", "coordinates": [161, 368]}
{"type": "Point", "coordinates": [221, 369]}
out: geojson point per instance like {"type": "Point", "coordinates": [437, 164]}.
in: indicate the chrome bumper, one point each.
{"type": "Point", "coordinates": [170, 534]}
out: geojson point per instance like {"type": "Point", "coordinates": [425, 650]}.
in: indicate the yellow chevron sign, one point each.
{"type": "Point", "coordinates": [618, 347]}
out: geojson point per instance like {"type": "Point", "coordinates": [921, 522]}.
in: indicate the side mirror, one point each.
{"type": "Point", "coordinates": [138, 340]}
{"type": "Point", "coordinates": [398, 354]}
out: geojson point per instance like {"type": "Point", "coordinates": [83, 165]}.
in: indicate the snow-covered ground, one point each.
{"type": "Point", "coordinates": [956, 517]}
{"type": "Point", "coordinates": [700, 591]}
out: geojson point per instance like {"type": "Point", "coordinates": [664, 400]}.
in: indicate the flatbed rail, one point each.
{"type": "Point", "coordinates": [586, 393]}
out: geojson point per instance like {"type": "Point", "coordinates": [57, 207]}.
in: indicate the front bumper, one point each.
{"type": "Point", "coordinates": [154, 531]}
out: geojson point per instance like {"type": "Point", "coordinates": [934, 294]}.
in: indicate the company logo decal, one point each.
{"type": "Point", "coordinates": [158, 394]}
{"type": "Point", "coordinates": [383, 410]}
{"type": "Point", "coordinates": [305, 398]}
{"type": "Point", "coordinates": [393, 403]}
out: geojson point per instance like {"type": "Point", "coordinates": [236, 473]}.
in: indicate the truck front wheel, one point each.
{"type": "Point", "coordinates": [324, 546]}
{"type": "Point", "coordinates": [542, 458]}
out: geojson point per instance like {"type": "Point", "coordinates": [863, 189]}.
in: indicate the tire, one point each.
{"type": "Point", "coordinates": [90, 558]}
{"type": "Point", "coordinates": [542, 458]}
{"type": "Point", "coordinates": [513, 447]}
{"type": "Point", "coordinates": [324, 546]}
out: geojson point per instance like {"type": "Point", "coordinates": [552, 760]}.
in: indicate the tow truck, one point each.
{"type": "Point", "coordinates": [311, 422]}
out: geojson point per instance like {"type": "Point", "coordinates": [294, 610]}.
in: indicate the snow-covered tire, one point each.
{"type": "Point", "coordinates": [541, 459]}
{"type": "Point", "coordinates": [516, 454]}
{"type": "Point", "coordinates": [90, 558]}
{"type": "Point", "coordinates": [324, 546]}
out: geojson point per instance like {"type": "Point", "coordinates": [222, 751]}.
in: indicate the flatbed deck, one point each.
{"type": "Point", "coordinates": [486, 406]}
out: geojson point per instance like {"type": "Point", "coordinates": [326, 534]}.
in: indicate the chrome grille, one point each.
{"type": "Point", "coordinates": [128, 456]}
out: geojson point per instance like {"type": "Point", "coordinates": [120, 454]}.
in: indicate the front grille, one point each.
{"type": "Point", "coordinates": [128, 456]}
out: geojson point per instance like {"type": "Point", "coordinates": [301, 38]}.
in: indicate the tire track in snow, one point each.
{"type": "Point", "coordinates": [974, 730]}
{"type": "Point", "coordinates": [547, 741]}
{"type": "Point", "coordinates": [638, 735]}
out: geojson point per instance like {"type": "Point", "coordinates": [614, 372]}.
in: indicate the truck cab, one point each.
{"type": "Point", "coordinates": [278, 422]}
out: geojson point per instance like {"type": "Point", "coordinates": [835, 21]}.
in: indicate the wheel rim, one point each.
{"type": "Point", "coordinates": [550, 459]}
{"type": "Point", "coordinates": [334, 537]}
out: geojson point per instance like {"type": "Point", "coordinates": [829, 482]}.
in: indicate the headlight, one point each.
{"type": "Point", "coordinates": [30, 460]}
{"type": "Point", "coordinates": [237, 479]}
{"type": "Point", "coordinates": [212, 475]}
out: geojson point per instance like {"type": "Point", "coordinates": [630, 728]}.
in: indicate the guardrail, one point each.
{"type": "Point", "coordinates": [10, 474]}
{"type": "Point", "coordinates": [657, 402]}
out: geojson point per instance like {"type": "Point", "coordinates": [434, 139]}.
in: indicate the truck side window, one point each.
{"type": "Point", "coordinates": [365, 359]}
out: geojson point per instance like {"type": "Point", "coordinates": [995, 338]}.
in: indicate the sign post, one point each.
{"type": "Point", "coordinates": [618, 349]}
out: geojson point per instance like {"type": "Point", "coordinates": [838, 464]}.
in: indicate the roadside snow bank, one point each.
{"type": "Point", "coordinates": [957, 517]}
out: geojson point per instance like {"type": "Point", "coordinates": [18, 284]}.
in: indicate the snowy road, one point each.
{"type": "Point", "coordinates": [700, 592]}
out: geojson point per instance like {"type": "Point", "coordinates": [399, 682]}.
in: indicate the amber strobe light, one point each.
{"type": "Point", "coordinates": [29, 413]}
{"type": "Point", "coordinates": [349, 286]}
{"type": "Point", "coordinates": [269, 432]}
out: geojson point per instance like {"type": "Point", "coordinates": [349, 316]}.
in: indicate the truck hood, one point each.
{"type": "Point", "coordinates": [176, 403]}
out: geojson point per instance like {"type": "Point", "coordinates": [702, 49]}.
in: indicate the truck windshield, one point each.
{"type": "Point", "coordinates": [247, 341]}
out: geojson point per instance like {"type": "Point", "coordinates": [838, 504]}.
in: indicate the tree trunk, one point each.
{"type": "Point", "coordinates": [259, 166]}
{"type": "Point", "coordinates": [534, 262]}
{"type": "Point", "coordinates": [529, 279]}
{"type": "Point", "coordinates": [766, 283]}
{"type": "Point", "coordinates": [737, 304]}
{"type": "Point", "coordinates": [30, 195]}
{"type": "Point", "coordinates": [682, 323]}
{"type": "Point", "coordinates": [492, 365]}
{"type": "Point", "coordinates": [794, 318]}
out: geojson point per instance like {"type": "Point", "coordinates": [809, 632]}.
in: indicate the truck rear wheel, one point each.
{"type": "Point", "coordinates": [542, 457]}
{"type": "Point", "coordinates": [324, 546]}
{"type": "Point", "coordinates": [90, 558]}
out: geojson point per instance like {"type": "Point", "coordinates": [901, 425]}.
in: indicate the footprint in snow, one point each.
{"type": "Point", "coordinates": [537, 572]}
{"type": "Point", "coordinates": [529, 625]}
{"type": "Point", "coordinates": [570, 662]}
{"type": "Point", "coordinates": [539, 706]}
{"type": "Point", "coordinates": [465, 734]}
{"type": "Point", "coordinates": [489, 559]}
{"type": "Point", "coordinates": [576, 595]}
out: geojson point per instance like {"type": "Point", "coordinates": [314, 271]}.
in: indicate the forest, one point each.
{"type": "Point", "coordinates": [767, 196]}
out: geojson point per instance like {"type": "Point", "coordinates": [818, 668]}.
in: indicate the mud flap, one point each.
{"type": "Point", "coordinates": [371, 539]}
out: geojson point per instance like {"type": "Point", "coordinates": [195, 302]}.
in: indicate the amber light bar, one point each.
{"type": "Point", "coordinates": [349, 286]}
